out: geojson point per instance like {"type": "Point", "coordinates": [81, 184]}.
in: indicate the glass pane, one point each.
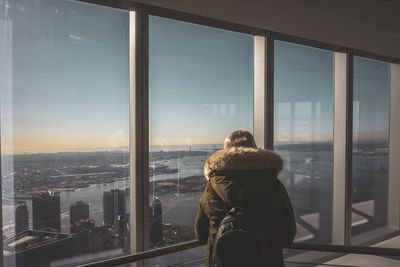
{"type": "Point", "coordinates": [194, 257]}
{"type": "Point", "coordinates": [370, 146]}
{"type": "Point", "coordinates": [303, 101]}
{"type": "Point", "coordinates": [64, 81]}
{"type": "Point", "coordinates": [201, 89]}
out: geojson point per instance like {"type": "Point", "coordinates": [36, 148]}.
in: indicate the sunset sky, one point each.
{"type": "Point", "coordinates": [70, 78]}
{"type": "Point", "coordinates": [68, 85]}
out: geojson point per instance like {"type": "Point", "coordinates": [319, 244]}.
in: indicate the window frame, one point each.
{"type": "Point", "coordinates": [263, 124]}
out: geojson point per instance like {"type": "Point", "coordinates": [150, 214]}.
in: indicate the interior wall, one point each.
{"type": "Point", "coordinates": [368, 25]}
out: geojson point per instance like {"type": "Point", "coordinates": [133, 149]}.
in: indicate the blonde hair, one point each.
{"type": "Point", "coordinates": [240, 138]}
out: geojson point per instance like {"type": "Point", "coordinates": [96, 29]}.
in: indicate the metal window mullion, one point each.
{"type": "Point", "coordinates": [145, 127]}
{"type": "Point", "coordinates": [394, 149]}
{"type": "Point", "coordinates": [339, 149]}
{"type": "Point", "coordinates": [134, 212]}
{"type": "Point", "coordinates": [138, 133]}
{"type": "Point", "coordinates": [263, 91]}
{"type": "Point", "coordinates": [259, 90]}
{"type": "Point", "coordinates": [349, 146]}
{"type": "Point", "coordinates": [269, 96]}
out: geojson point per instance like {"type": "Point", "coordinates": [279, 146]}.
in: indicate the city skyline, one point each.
{"type": "Point", "coordinates": [368, 137]}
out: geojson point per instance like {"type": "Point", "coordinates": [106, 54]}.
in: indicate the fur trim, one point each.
{"type": "Point", "coordinates": [242, 158]}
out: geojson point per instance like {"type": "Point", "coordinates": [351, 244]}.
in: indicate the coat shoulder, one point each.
{"type": "Point", "coordinates": [241, 159]}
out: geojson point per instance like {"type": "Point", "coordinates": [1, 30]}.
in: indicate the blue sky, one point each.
{"type": "Point", "coordinates": [200, 82]}
{"type": "Point", "coordinates": [304, 85]}
{"type": "Point", "coordinates": [303, 81]}
{"type": "Point", "coordinates": [70, 82]}
{"type": "Point", "coordinates": [371, 99]}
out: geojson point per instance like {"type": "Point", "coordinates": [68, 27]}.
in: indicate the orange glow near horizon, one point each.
{"type": "Point", "coordinates": [118, 140]}
{"type": "Point", "coordinates": [51, 144]}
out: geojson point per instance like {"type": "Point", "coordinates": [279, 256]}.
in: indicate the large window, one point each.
{"type": "Point", "coordinates": [64, 131]}
{"type": "Point", "coordinates": [201, 89]}
{"type": "Point", "coordinates": [303, 135]}
{"type": "Point", "coordinates": [68, 77]}
{"type": "Point", "coordinates": [370, 145]}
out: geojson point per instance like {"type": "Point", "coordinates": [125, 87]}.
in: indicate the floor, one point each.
{"type": "Point", "coordinates": [370, 260]}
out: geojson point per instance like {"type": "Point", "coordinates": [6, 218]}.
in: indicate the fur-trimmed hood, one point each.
{"type": "Point", "coordinates": [241, 159]}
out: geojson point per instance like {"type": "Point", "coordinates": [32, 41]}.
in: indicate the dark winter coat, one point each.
{"type": "Point", "coordinates": [246, 177]}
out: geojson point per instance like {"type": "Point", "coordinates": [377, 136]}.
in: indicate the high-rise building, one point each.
{"type": "Point", "coordinates": [83, 225]}
{"type": "Point", "coordinates": [156, 228]}
{"type": "Point", "coordinates": [113, 205]}
{"type": "Point", "coordinates": [46, 211]}
{"type": "Point", "coordinates": [78, 211]}
{"type": "Point", "coordinates": [21, 218]}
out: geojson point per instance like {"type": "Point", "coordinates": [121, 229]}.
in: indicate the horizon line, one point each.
{"type": "Point", "coordinates": [109, 149]}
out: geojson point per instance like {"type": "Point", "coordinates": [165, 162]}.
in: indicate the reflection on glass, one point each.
{"type": "Point", "coordinates": [370, 144]}
{"type": "Point", "coordinates": [65, 120]}
{"type": "Point", "coordinates": [201, 89]}
{"type": "Point", "coordinates": [303, 101]}
{"type": "Point", "coordinates": [190, 257]}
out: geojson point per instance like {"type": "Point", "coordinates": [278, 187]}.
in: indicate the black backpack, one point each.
{"type": "Point", "coordinates": [239, 241]}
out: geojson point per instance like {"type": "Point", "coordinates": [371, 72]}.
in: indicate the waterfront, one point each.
{"type": "Point", "coordinates": [307, 176]}
{"type": "Point", "coordinates": [174, 204]}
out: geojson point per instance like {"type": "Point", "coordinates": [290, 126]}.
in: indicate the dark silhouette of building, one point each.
{"type": "Point", "coordinates": [127, 200]}
{"type": "Point", "coordinates": [113, 205]}
{"type": "Point", "coordinates": [78, 211]}
{"type": "Point", "coordinates": [93, 239]}
{"type": "Point", "coordinates": [119, 234]}
{"type": "Point", "coordinates": [38, 248]}
{"type": "Point", "coordinates": [46, 211]}
{"type": "Point", "coordinates": [21, 218]}
{"type": "Point", "coordinates": [83, 225]}
{"type": "Point", "coordinates": [156, 228]}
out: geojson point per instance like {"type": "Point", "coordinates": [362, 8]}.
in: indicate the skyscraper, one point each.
{"type": "Point", "coordinates": [21, 218]}
{"type": "Point", "coordinates": [46, 211]}
{"type": "Point", "coordinates": [113, 205]}
{"type": "Point", "coordinates": [83, 225]}
{"type": "Point", "coordinates": [156, 234]}
{"type": "Point", "coordinates": [78, 211]}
